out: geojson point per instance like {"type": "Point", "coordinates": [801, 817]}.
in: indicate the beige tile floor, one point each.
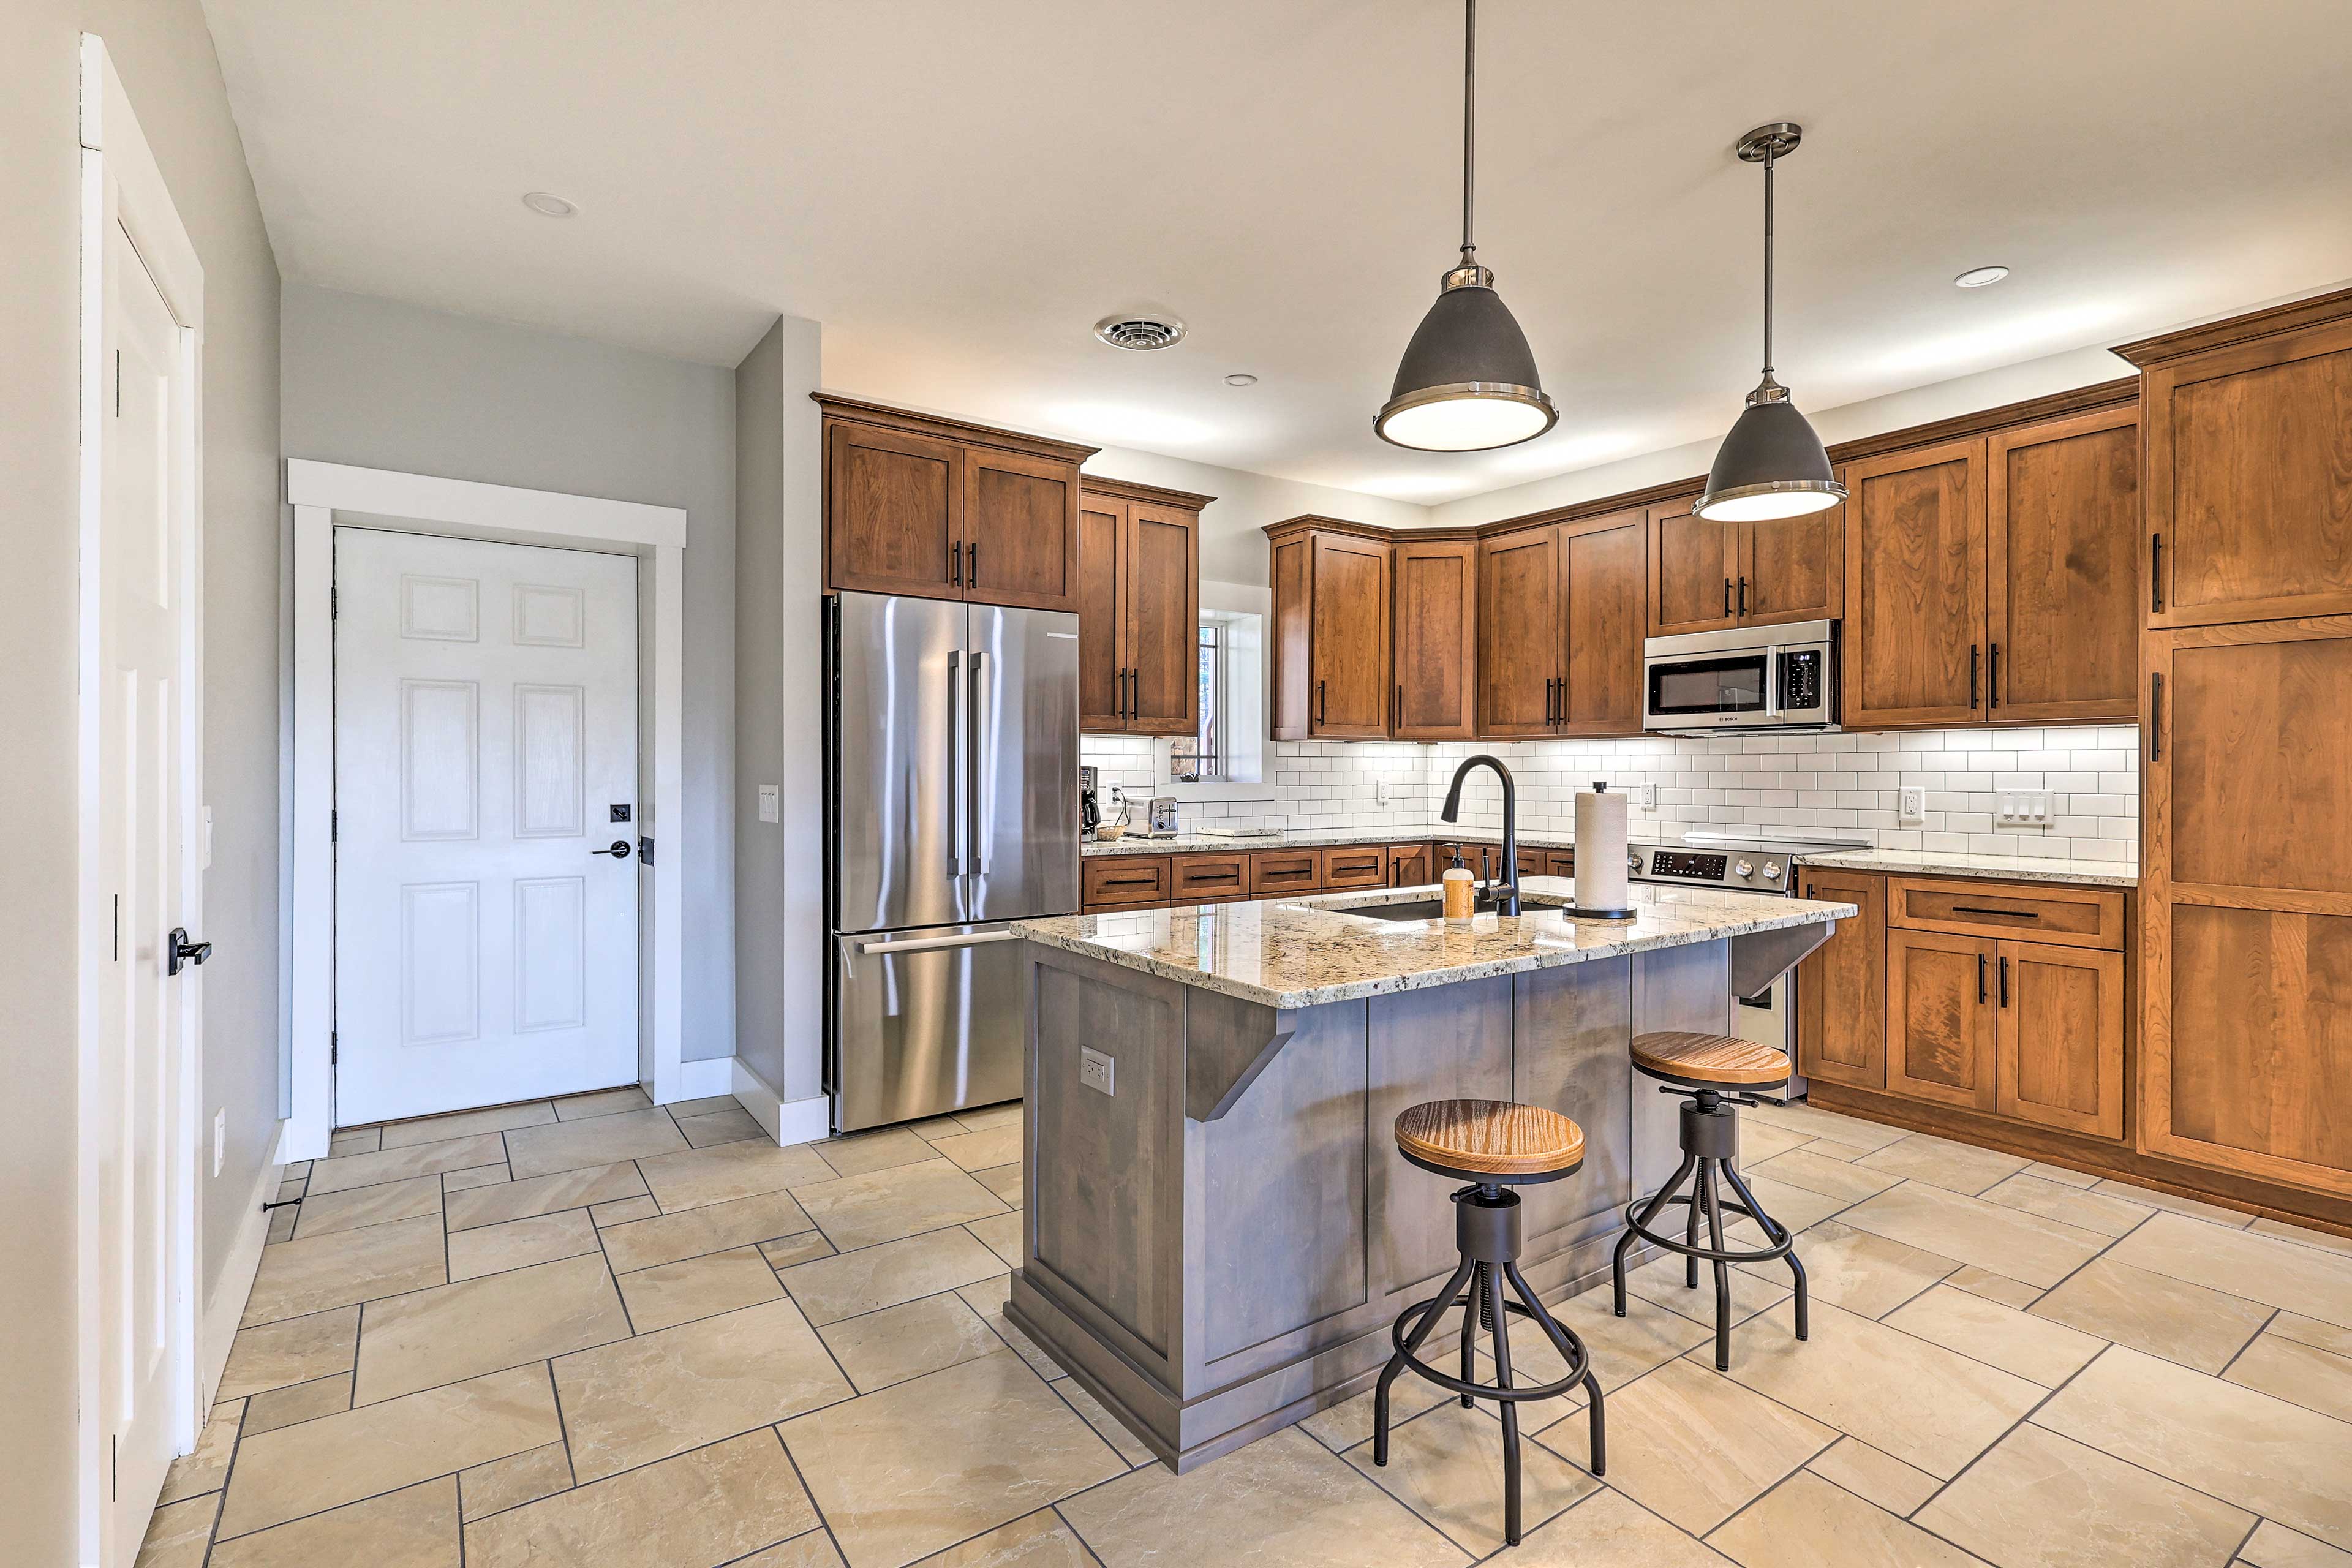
{"type": "Point", "coordinates": [596, 1332]}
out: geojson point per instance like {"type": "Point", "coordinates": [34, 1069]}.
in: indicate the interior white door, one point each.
{"type": "Point", "coordinates": [147, 1003]}
{"type": "Point", "coordinates": [485, 767]}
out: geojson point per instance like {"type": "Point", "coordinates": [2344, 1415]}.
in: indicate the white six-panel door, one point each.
{"type": "Point", "coordinates": [486, 734]}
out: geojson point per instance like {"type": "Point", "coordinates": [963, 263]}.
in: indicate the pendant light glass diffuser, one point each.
{"type": "Point", "coordinates": [1467, 381]}
{"type": "Point", "coordinates": [1771, 465]}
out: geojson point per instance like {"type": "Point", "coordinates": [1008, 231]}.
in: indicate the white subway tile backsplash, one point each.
{"type": "Point", "coordinates": [1844, 784]}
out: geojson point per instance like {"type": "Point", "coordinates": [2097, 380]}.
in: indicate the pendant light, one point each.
{"type": "Point", "coordinates": [1771, 465]}
{"type": "Point", "coordinates": [1467, 381]}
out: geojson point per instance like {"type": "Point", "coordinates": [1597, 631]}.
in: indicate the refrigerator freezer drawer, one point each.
{"type": "Point", "coordinates": [926, 1022]}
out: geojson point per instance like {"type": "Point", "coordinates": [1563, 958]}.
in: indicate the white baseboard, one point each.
{"type": "Point", "coordinates": [226, 1306]}
{"type": "Point", "coordinates": [787, 1121]}
{"type": "Point", "coordinates": [702, 1080]}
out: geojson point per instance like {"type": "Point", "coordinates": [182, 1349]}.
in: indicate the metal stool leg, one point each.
{"type": "Point", "coordinates": [1421, 1330]}
{"type": "Point", "coordinates": [1492, 1305]}
{"type": "Point", "coordinates": [1650, 1213]}
{"type": "Point", "coordinates": [1804, 1324]}
{"type": "Point", "coordinates": [1569, 1356]}
{"type": "Point", "coordinates": [1706, 1169]}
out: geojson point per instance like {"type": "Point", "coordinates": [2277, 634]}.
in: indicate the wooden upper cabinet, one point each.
{"type": "Point", "coordinates": [1693, 564]}
{"type": "Point", "coordinates": [2063, 581]}
{"type": "Point", "coordinates": [1915, 587]}
{"type": "Point", "coordinates": [2249, 509]}
{"type": "Point", "coordinates": [1138, 608]}
{"type": "Point", "coordinates": [1436, 638]}
{"type": "Point", "coordinates": [1603, 568]}
{"type": "Point", "coordinates": [1331, 616]}
{"type": "Point", "coordinates": [1102, 565]}
{"type": "Point", "coordinates": [916, 504]}
{"type": "Point", "coordinates": [1020, 530]}
{"type": "Point", "coordinates": [1519, 616]}
{"type": "Point", "coordinates": [1841, 984]}
{"type": "Point", "coordinates": [1350, 636]}
{"type": "Point", "coordinates": [1940, 1019]}
{"type": "Point", "coordinates": [2245, 900]}
{"type": "Point", "coordinates": [1792, 569]}
{"type": "Point", "coordinates": [894, 511]}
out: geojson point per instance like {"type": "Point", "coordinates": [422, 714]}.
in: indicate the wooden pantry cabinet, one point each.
{"type": "Point", "coordinates": [1993, 578]}
{"type": "Point", "coordinates": [1138, 606]}
{"type": "Point", "coordinates": [1330, 637]}
{"type": "Point", "coordinates": [943, 509]}
{"type": "Point", "coordinates": [1560, 627]}
{"type": "Point", "coordinates": [1707, 577]}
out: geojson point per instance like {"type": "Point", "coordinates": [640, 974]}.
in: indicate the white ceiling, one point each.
{"type": "Point", "coordinates": [958, 191]}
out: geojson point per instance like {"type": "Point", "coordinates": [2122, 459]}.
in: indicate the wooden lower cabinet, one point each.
{"type": "Point", "coordinates": [2059, 1037]}
{"type": "Point", "coordinates": [1206, 879]}
{"type": "Point", "coordinates": [1275, 872]}
{"type": "Point", "coordinates": [1355, 866]}
{"type": "Point", "coordinates": [1939, 1017]}
{"type": "Point", "coordinates": [1842, 985]}
{"type": "Point", "coordinates": [1123, 881]}
{"type": "Point", "coordinates": [1411, 865]}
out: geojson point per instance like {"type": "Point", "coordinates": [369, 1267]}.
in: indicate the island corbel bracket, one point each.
{"type": "Point", "coordinates": [1228, 1042]}
{"type": "Point", "coordinates": [1760, 957]}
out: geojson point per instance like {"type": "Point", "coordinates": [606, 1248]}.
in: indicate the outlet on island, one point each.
{"type": "Point", "coordinates": [1094, 1070]}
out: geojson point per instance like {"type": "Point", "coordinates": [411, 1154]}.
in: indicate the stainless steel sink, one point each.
{"type": "Point", "coordinates": [1418, 910]}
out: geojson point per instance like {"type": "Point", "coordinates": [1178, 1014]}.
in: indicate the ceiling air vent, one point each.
{"type": "Point", "coordinates": [1139, 333]}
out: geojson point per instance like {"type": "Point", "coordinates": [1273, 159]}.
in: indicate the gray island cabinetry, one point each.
{"type": "Point", "coordinates": [1218, 1228]}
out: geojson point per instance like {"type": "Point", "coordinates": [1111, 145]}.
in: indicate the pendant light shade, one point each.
{"type": "Point", "coordinates": [1771, 465]}
{"type": "Point", "coordinates": [1467, 381]}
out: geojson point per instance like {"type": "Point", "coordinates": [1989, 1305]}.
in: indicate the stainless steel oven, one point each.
{"type": "Point", "coordinates": [1742, 680]}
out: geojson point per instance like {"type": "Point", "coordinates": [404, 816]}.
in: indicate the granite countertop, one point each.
{"type": "Point", "coordinates": [1313, 838]}
{"type": "Point", "coordinates": [1302, 952]}
{"type": "Point", "coordinates": [1954, 863]}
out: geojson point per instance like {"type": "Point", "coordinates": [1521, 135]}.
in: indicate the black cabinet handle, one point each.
{"type": "Point", "coordinates": [1980, 979]}
{"type": "Point", "coordinates": [1134, 693]}
{"type": "Point", "coordinates": [1727, 596]}
{"type": "Point", "coordinates": [1322, 702]}
{"type": "Point", "coordinates": [1975, 658]}
{"type": "Point", "coordinates": [958, 577]}
{"type": "Point", "coordinates": [2006, 914]}
{"type": "Point", "coordinates": [2155, 718]}
{"type": "Point", "coordinates": [971, 565]}
{"type": "Point", "coordinates": [1992, 679]}
{"type": "Point", "coordinates": [2004, 982]}
{"type": "Point", "coordinates": [1743, 595]}
{"type": "Point", "coordinates": [179, 951]}
{"type": "Point", "coordinates": [1396, 714]}
{"type": "Point", "coordinates": [2156, 572]}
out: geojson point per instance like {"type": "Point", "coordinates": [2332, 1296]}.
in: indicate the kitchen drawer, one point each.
{"type": "Point", "coordinates": [1121, 881]}
{"type": "Point", "coordinates": [1275, 872]}
{"type": "Point", "coordinates": [1547, 863]}
{"type": "Point", "coordinates": [2038, 912]}
{"type": "Point", "coordinates": [1411, 865]}
{"type": "Point", "coordinates": [1355, 866]}
{"type": "Point", "coordinates": [1485, 860]}
{"type": "Point", "coordinates": [1199, 878]}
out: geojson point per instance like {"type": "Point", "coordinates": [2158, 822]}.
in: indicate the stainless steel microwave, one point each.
{"type": "Point", "coordinates": [1744, 680]}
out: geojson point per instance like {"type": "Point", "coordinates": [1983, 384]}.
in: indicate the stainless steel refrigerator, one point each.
{"type": "Point", "coordinates": [951, 770]}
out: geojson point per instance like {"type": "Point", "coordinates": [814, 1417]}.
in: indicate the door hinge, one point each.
{"type": "Point", "coordinates": [334, 827]}
{"type": "Point", "coordinates": [334, 1048]}
{"type": "Point", "coordinates": [335, 603]}
{"type": "Point", "coordinates": [114, 1469]}
{"type": "Point", "coordinates": [646, 850]}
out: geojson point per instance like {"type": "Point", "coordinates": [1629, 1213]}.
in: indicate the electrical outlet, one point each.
{"type": "Point", "coordinates": [1381, 792]}
{"type": "Point", "coordinates": [1094, 1070]}
{"type": "Point", "coordinates": [1645, 795]}
{"type": "Point", "coordinates": [772, 808]}
{"type": "Point", "coordinates": [220, 1138]}
{"type": "Point", "coordinates": [2024, 808]}
{"type": "Point", "coordinates": [1912, 808]}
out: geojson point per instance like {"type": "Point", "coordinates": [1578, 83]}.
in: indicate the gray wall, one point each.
{"type": "Point", "coordinates": [389, 385]}
{"type": "Point", "coordinates": [164, 55]}
{"type": "Point", "coordinates": [779, 712]}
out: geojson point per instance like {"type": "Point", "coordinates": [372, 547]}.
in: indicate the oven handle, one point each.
{"type": "Point", "coordinates": [1772, 681]}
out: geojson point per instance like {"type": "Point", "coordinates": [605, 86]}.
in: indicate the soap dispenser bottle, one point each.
{"type": "Point", "coordinates": [1461, 899]}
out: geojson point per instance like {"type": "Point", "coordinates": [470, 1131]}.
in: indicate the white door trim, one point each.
{"type": "Point", "coordinates": [463, 509]}
{"type": "Point", "coordinates": [122, 183]}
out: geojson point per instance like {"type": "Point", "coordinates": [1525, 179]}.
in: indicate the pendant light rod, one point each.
{"type": "Point", "coordinates": [1768, 144]}
{"type": "Point", "coordinates": [1469, 125]}
{"type": "Point", "coordinates": [1768, 261]}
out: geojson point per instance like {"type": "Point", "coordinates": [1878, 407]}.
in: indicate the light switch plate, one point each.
{"type": "Point", "coordinates": [770, 803]}
{"type": "Point", "coordinates": [1912, 809]}
{"type": "Point", "coordinates": [1094, 1070]}
{"type": "Point", "coordinates": [2024, 808]}
{"type": "Point", "coordinates": [1645, 795]}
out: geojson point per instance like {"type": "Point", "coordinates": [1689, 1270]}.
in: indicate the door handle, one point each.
{"type": "Point", "coordinates": [935, 943]}
{"type": "Point", "coordinates": [974, 727]}
{"type": "Point", "coordinates": [1743, 595]}
{"type": "Point", "coordinates": [955, 760]}
{"type": "Point", "coordinates": [619, 851]}
{"type": "Point", "coordinates": [2155, 718]}
{"type": "Point", "coordinates": [1975, 658]}
{"type": "Point", "coordinates": [1992, 677]}
{"type": "Point", "coordinates": [2156, 572]}
{"type": "Point", "coordinates": [958, 576]}
{"type": "Point", "coordinates": [2010, 914]}
{"type": "Point", "coordinates": [1980, 980]}
{"type": "Point", "coordinates": [1322, 702]}
{"type": "Point", "coordinates": [1727, 597]}
{"type": "Point", "coordinates": [2004, 982]}
{"type": "Point", "coordinates": [182, 952]}
{"type": "Point", "coordinates": [971, 565]}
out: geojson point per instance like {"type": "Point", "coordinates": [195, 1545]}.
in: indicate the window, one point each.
{"type": "Point", "coordinates": [1199, 758]}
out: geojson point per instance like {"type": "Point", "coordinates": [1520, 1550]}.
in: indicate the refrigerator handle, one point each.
{"type": "Point", "coordinates": [955, 763]}
{"type": "Point", "coordinates": [935, 943]}
{"type": "Point", "coordinates": [977, 771]}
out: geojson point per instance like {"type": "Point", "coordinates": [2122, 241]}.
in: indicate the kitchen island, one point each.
{"type": "Point", "coordinates": [1218, 1229]}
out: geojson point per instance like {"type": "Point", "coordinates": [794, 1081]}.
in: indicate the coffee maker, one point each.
{"type": "Point", "coordinates": [1089, 814]}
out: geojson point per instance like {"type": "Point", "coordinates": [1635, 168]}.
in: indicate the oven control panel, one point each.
{"type": "Point", "coordinates": [1686, 865]}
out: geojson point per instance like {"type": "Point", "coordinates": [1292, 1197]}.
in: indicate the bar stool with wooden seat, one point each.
{"type": "Point", "coordinates": [1494, 1145]}
{"type": "Point", "coordinates": [1716, 1073]}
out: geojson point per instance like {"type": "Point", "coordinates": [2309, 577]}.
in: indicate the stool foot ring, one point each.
{"type": "Point", "coordinates": [1705, 1202]}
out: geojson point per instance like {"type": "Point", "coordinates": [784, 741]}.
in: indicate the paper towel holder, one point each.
{"type": "Point", "coordinates": [1577, 912]}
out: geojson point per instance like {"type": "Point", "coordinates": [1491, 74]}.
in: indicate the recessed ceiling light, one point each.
{"type": "Point", "coordinates": [1241, 378]}
{"type": "Point", "coordinates": [1139, 331]}
{"type": "Point", "coordinates": [1980, 277]}
{"type": "Point", "coordinates": [547, 204]}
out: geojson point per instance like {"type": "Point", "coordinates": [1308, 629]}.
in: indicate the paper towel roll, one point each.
{"type": "Point", "coordinates": [1601, 851]}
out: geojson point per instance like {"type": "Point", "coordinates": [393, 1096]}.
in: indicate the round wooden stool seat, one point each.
{"type": "Point", "coordinates": [1713, 1059]}
{"type": "Point", "coordinates": [1493, 1140]}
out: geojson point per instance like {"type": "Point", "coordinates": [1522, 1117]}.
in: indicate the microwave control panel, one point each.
{"type": "Point", "coordinates": [1800, 680]}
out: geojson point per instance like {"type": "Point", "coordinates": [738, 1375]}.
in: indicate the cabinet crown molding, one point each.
{"type": "Point", "coordinates": [860, 412]}
{"type": "Point", "coordinates": [1129, 489]}
{"type": "Point", "coordinates": [2165, 347]}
